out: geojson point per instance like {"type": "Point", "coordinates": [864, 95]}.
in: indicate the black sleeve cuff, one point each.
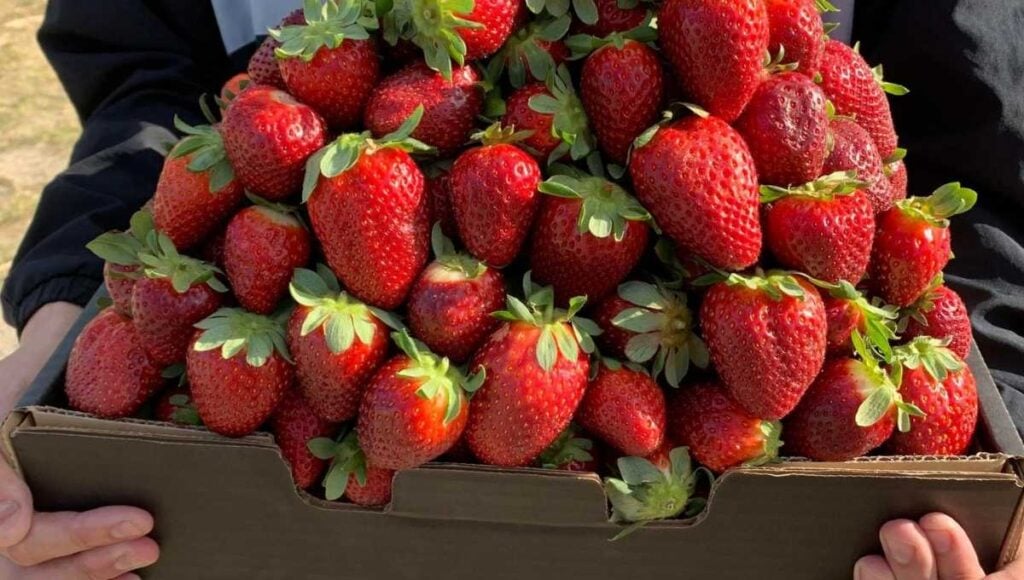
{"type": "Point", "coordinates": [76, 289]}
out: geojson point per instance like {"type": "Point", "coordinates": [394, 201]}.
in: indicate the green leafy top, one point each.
{"type": "Point", "coordinates": [496, 134]}
{"type": "Point", "coordinates": [328, 24]}
{"type": "Point", "coordinates": [347, 459]}
{"type": "Point", "coordinates": [928, 353]}
{"type": "Point", "coordinates": [879, 319]}
{"type": "Point", "coordinates": [342, 317]}
{"type": "Point", "coordinates": [436, 375]}
{"type": "Point", "coordinates": [586, 10]}
{"type": "Point", "coordinates": [664, 330]}
{"type": "Point", "coordinates": [772, 432]}
{"type": "Point", "coordinates": [828, 187]}
{"type": "Point", "coordinates": [777, 64]}
{"type": "Point", "coordinates": [184, 411]}
{"type": "Point", "coordinates": [646, 493]}
{"type": "Point", "coordinates": [825, 6]}
{"type": "Point", "coordinates": [668, 117]}
{"type": "Point", "coordinates": [452, 259]}
{"type": "Point", "coordinates": [206, 146]}
{"type": "Point", "coordinates": [891, 88]}
{"type": "Point", "coordinates": [881, 394]}
{"type": "Point", "coordinates": [568, 118]}
{"type": "Point", "coordinates": [233, 331]}
{"type": "Point", "coordinates": [606, 206]}
{"type": "Point", "coordinates": [123, 248]}
{"type": "Point", "coordinates": [160, 259]}
{"type": "Point", "coordinates": [580, 45]}
{"type": "Point", "coordinates": [922, 306]}
{"type": "Point", "coordinates": [567, 448]}
{"type": "Point", "coordinates": [343, 153]}
{"type": "Point", "coordinates": [562, 332]}
{"type": "Point", "coordinates": [433, 26]}
{"type": "Point", "coordinates": [945, 202]}
{"type": "Point", "coordinates": [776, 284]}
{"type": "Point", "coordinates": [524, 52]}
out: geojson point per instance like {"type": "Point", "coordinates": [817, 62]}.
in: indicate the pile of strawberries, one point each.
{"type": "Point", "coordinates": [714, 183]}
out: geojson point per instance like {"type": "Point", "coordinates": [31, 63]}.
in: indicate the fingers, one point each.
{"type": "Point", "coordinates": [907, 551]}
{"type": "Point", "coordinates": [106, 563]}
{"type": "Point", "coordinates": [872, 568]}
{"type": "Point", "coordinates": [15, 507]}
{"type": "Point", "coordinates": [955, 557]}
{"type": "Point", "coordinates": [55, 535]}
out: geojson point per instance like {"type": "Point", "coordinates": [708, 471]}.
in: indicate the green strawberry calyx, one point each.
{"type": "Point", "coordinates": [123, 248]}
{"type": "Point", "coordinates": [645, 493]}
{"type": "Point", "coordinates": [825, 6]}
{"type": "Point", "coordinates": [772, 432]}
{"type": "Point", "coordinates": [928, 353]}
{"type": "Point", "coordinates": [524, 52]}
{"type": "Point", "coordinates": [453, 260]}
{"type": "Point", "coordinates": [343, 153]}
{"type": "Point", "coordinates": [184, 411]}
{"type": "Point", "coordinates": [664, 331]}
{"type": "Point", "coordinates": [566, 449]}
{"type": "Point", "coordinates": [922, 306]}
{"type": "Point", "coordinates": [160, 259]}
{"type": "Point", "coordinates": [585, 10]}
{"type": "Point", "coordinates": [890, 88]}
{"type": "Point", "coordinates": [206, 147]}
{"type": "Point", "coordinates": [343, 318]}
{"type": "Point", "coordinates": [432, 25]}
{"type": "Point", "coordinates": [829, 187]}
{"type": "Point", "coordinates": [562, 332]}
{"type": "Point", "coordinates": [346, 460]}
{"type": "Point", "coordinates": [606, 207]}
{"type": "Point", "coordinates": [235, 331]}
{"type": "Point", "coordinates": [496, 134]}
{"type": "Point", "coordinates": [328, 24]}
{"type": "Point", "coordinates": [881, 390]}
{"type": "Point", "coordinates": [945, 202]}
{"type": "Point", "coordinates": [436, 375]}
{"type": "Point", "coordinates": [581, 45]}
{"type": "Point", "coordinates": [776, 284]}
{"type": "Point", "coordinates": [569, 121]}
{"type": "Point", "coordinates": [879, 319]}
{"type": "Point", "coordinates": [777, 63]}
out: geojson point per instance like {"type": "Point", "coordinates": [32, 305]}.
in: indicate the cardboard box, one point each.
{"type": "Point", "coordinates": [226, 509]}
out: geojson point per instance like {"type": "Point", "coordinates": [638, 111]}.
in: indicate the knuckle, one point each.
{"type": "Point", "coordinates": [78, 534]}
{"type": "Point", "coordinates": [23, 554]}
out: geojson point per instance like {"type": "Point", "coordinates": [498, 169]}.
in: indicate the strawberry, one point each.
{"type": "Point", "coordinates": [556, 117]}
{"type": "Point", "coordinates": [698, 180]}
{"type": "Point", "coordinates": [175, 406]}
{"type": "Point", "coordinates": [943, 387]}
{"type": "Point", "coordinates": [263, 69]}
{"type": "Point", "coordinates": [122, 266]}
{"type": "Point", "coordinates": [450, 304]}
{"type": "Point", "coordinates": [766, 335]}
{"type": "Point", "coordinates": [263, 245]}
{"type": "Point", "coordinates": [369, 211]}
{"type": "Point", "coordinates": [847, 310]}
{"type": "Point", "coordinates": [329, 61]}
{"type": "Point", "coordinates": [719, 433]}
{"type": "Point", "coordinates": [439, 197]}
{"type": "Point", "coordinates": [795, 29]}
{"type": "Point", "coordinates": [294, 425]}
{"type": "Point", "coordinates": [519, 116]}
{"type": "Point", "coordinates": [786, 127]}
{"type": "Point", "coordinates": [588, 236]}
{"type": "Point", "coordinates": [213, 250]}
{"type": "Point", "coordinates": [494, 194]}
{"type": "Point", "coordinates": [234, 86]}
{"type": "Point", "coordinates": [824, 228]}
{"type": "Point", "coordinates": [536, 369]}
{"type": "Point", "coordinates": [651, 324]}
{"type": "Point", "coordinates": [349, 475]}
{"type": "Point", "coordinates": [648, 492]}
{"type": "Point", "coordinates": [268, 136]}
{"type": "Point", "coordinates": [940, 313]}
{"type": "Point", "coordinates": [239, 370]}
{"type": "Point", "coordinates": [571, 452]}
{"type": "Point", "coordinates": [625, 408]}
{"type": "Point", "coordinates": [716, 49]}
{"type": "Point", "coordinates": [450, 106]}
{"type": "Point", "coordinates": [536, 48]}
{"type": "Point", "coordinates": [613, 16]}
{"type": "Point", "coordinates": [174, 293]}
{"type": "Point", "coordinates": [854, 150]}
{"type": "Point", "coordinates": [120, 281]}
{"type": "Point", "coordinates": [108, 372]}
{"type": "Point", "coordinates": [912, 243]}
{"type": "Point", "coordinates": [896, 172]}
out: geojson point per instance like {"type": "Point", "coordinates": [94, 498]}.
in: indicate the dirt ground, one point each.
{"type": "Point", "coordinates": [37, 129]}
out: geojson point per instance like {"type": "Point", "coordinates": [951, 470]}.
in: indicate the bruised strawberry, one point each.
{"type": "Point", "coordinates": [847, 310]}
{"type": "Point", "coordinates": [854, 150]}
{"type": "Point", "coordinates": [454, 30]}
{"type": "Point", "coordinates": [571, 452]}
{"type": "Point", "coordinates": [175, 406]}
{"type": "Point", "coordinates": [349, 476]}
{"type": "Point", "coordinates": [108, 372]}
{"type": "Point", "coordinates": [294, 425]}
{"type": "Point", "coordinates": [121, 254]}
{"type": "Point", "coordinates": [625, 408]}
{"type": "Point", "coordinates": [263, 69]}
{"type": "Point", "coordinates": [940, 313]}
{"type": "Point", "coordinates": [555, 117]}
{"type": "Point", "coordinates": [612, 17]}
{"type": "Point", "coordinates": [796, 30]}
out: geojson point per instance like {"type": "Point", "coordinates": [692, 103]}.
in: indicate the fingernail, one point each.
{"type": "Point", "coordinates": [869, 569]}
{"type": "Point", "coordinates": [8, 508]}
{"type": "Point", "coordinates": [940, 540]}
{"type": "Point", "coordinates": [125, 530]}
{"type": "Point", "coordinates": [901, 552]}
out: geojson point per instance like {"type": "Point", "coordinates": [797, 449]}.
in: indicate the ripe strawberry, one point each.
{"type": "Point", "coordinates": [795, 27]}
{"type": "Point", "coordinates": [612, 18]}
{"type": "Point", "coordinates": [697, 178]}
{"type": "Point", "coordinates": [716, 50]}
{"type": "Point", "coordinates": [329, 60]}
{"type": "Point", "coordinates": [439, 197]}
{"type": "Point", "coordinates": [108, 372]}
{"type": "Point", "coordinates": [940, 313]}
{"type": "Point", "coordinates": [494, 194]}
{"type": "Point", "coordinates": [854, 150]}
{"type": "Point", "coordinates": [536, 48]}
{"type": "Point", "coordinates": [555, 116]}
{"type": "Point", "coordinates": [622, 87]}
{"type": "Point", "coordinates": [234, 86]}
{"type": "Point", "coordinates": [263, 246]}
{"type": "Point", "coordinates": [268, 136]}
{"type": "Point", "coordinates": [542, 140]}
{"type": "Point", "coordinates": [719, 433]}
{"type": "Point", "coordinates": [766, 335]}
{"type": "Point", "coordinates": [373, 490]}
{"type": "Point", "coordinates": [647, 491]}
{"type": "Point", "coordinates": [625, 408]}
{"type": "Point", "coordinates": [213, 250]}
{"type": "Point", "coordinates": [589, 235]}
{"type": "Point", "coordinates": [450, 304]}
{"type": "Point", "coordinates": [369, 212]}
{"type": "Point", "coordinates": [263, 69]}
{"type": "Point", "coordinates": [536, 369]}
{"type": "Point", "coordinates": [847, 310]}
{"type": "Point", "coordinates": [824, 228]}
{"type": "Point", "coordinates": [349, 475]}
{"type": "Point", "coordinates": [450, 106]}
{"type": "Point", "coordinates": [912, 242]}
{"type": "Point", "coordinates": [239, 370]}
{"type": "Point", "coordinates": [571, 452]}
{"type": "Point", "coordinates": [175, 406]}
{"type": "Point", "coordinates": [943, 387]}
{"type": "Point", "coordinates": [122, 266]}
{"type": "Point", "coordinates": [294, 425]}
{"type": "Point", "coordinates": [896, 172]}
{"type": "Point", "coordinates": [650, 324]}
{"type": "Point", "coordinates": [786, 127]}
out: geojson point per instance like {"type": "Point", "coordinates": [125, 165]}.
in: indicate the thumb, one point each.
{"type": "Point", "coordinates": [15, 507]}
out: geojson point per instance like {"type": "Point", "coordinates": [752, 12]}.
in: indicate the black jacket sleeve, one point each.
{"type": "Point", "coordinates": [963, 120]}
{"type": "Point", "coordinates": [128, 67]}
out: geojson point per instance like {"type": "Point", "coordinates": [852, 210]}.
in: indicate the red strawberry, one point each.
{"type": "Point", "coordinates": [338, 343]}
{"type": "Point", "coordinates": [239, 370]}
{"type": "Point", "coordinates": [268, 136]}
{"type": "Point", "coordinates": [697, 178]}
{"type": "Point", "coordinates": [795, 27]}
{"type": "Point", "coordinates": [294, 425]}
{"type": "Point", "coordinates": [369, 212]}
{"type": "Point", "coordinates": [121, 254]}
{"type": "Point", "coordinates": [459, 31]}
{"type": "Point", "coordinates": [766, 335]}
{"type": "Point", "coordinates": [263, 67]}
{"type": "Point", "coordinates": [349, 475]}
{"type": "Point", "coordinates": [650, 324]}
{"type": "Point", "coordinates": [494, 194]}
{"type": "Point", "coordinates": [555, 116]}
{"type": "Point", "coordinates": [234, 86]}
{"type": "Point", "coordinates": [612, 17]}
{"type": "Point", "coordinates": [719, 433]}
{"type": "Point", "coordinates": [571, 452]}
{"type": "Point", "coordinates": [716, 49]}
{"type": "Point", "coordinates": [450, 106]}
{"type": "Point", "coordinates": [329, 60]}
{"type": "Point", "coordinates": [414, 409]}
{"type": "Point", "coordinates": [450, 304]}
{"type": "Point", "coordinates": [213, 250]}
{"type": "Point", "coordinates": [940, 313]}
{"type": "Point", "coordinates": [824, 228]}
{"type": "Point", "coordinates": [786, 127]}
{"type": "Point", "coordinates": [536, 49]}
{"type": "Point", "coordinates": [943, 387]}
{"type": "Point", "coordinates": [589, 235]}
{"type": "Point", "coordinates": [854, 150]}
{"type": "Point", "coordinates": [372, 491]}
{"type": "Point", "coordinates": [263, 246]}
{"type": "Point", "coordinates": [622, 87]}
{"type": "Point", "coordinates": [912, 242]}
{"type": "Point", "coordinates": [120, 281]}
{"type": "Point", "coordinates": [625, 408]}
{"type": "Point", "coordinates": [439, 197]}
{"type": "Point", "coordinates": [536, 369]}
{"type": "Point", "coordinates": [175, 406]}
{"type": "Point", "coordinates": [848, 310]}
{"type": "Point", "coordinates": [541, 140]}
{"type": "Point", "coordinates": [897, 174]}
{"type": "Point", "coordinates": [108, 372]}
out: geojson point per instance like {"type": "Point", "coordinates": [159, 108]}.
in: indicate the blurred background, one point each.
{"type": "Point", "coordinates": [37, 129]}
